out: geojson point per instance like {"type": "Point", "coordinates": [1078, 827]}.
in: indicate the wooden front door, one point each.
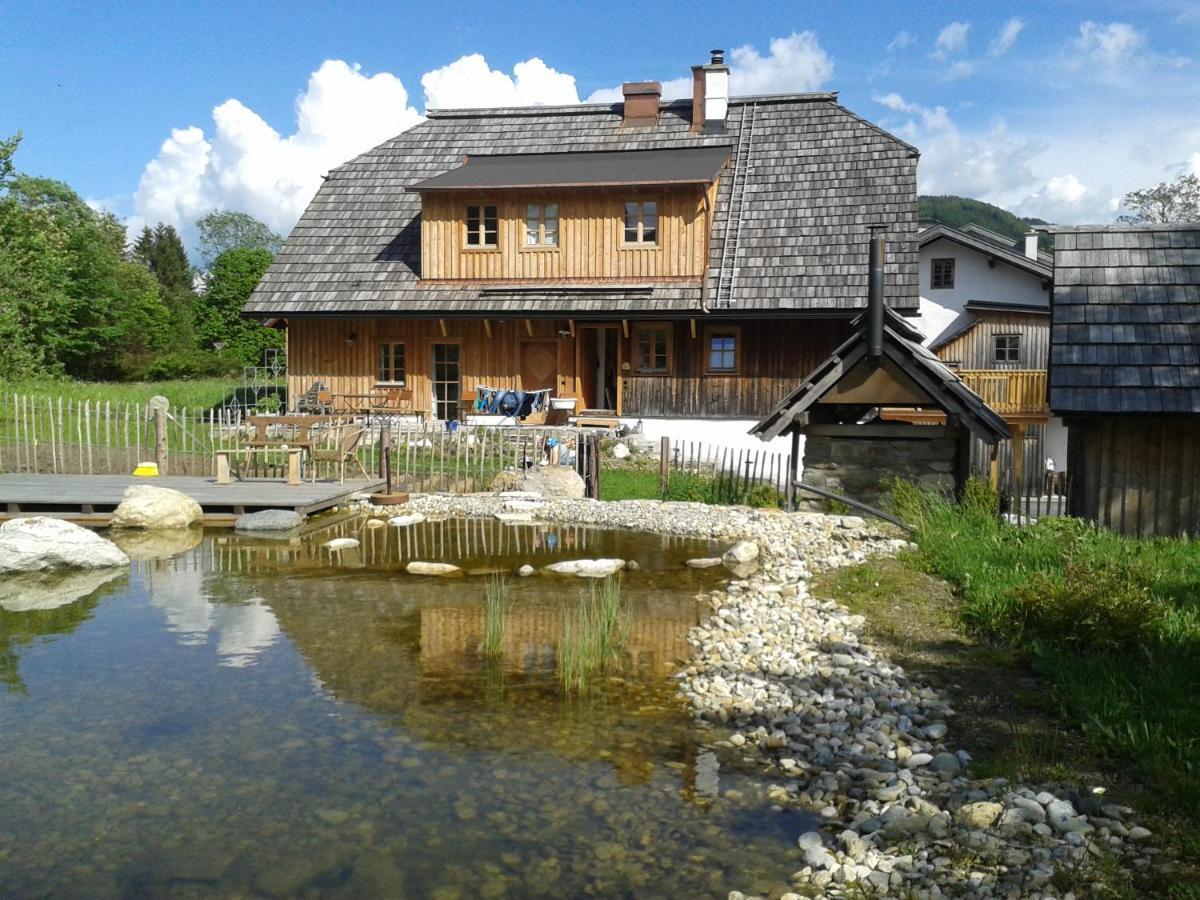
{"type": "Point", "coordinates": [447, 380]}
{"type": "Point", "coordinates": [539, 370]}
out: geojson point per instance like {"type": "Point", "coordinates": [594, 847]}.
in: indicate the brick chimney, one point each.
{"type": "Point", "coordinates": [710, 94]}
{"type": "Point", "coordinates": [641, 103]}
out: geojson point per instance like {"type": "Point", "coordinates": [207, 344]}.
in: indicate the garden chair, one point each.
{"type": "Point", "coordinates": [342, 449]}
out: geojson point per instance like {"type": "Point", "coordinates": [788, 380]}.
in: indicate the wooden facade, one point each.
{"type": "Point", "coordinates": [1137, 475]}
{"type": "Point", "coordinates": [590, 237]}
{"type": "Point", "coordinates": [975, 348]}
{"type": "Point", "coordinates": [559, 354]}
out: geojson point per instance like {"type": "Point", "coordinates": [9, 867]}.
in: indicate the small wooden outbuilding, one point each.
{"type": "Point", "coordinates": [848, 448]}
{"type": "Point", "coordinates": [1125, 373]}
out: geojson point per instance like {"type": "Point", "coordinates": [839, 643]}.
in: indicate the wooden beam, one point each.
{"type": "Point", "coordinates": [571, 324]}
{"type": "Point", "coordinates": [529, 327]}
{"type": "Point", "coordinates": [487, 329]}
{"type": "Point", "coordinates": [442, 326]}
{"type": "Point", "coordinates": [693, 323]}
{"type": "Point", "coordinates": [625, 327]}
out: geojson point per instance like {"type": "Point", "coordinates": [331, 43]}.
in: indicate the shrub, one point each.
{"type": "Point", "coordinates": [191, 364]}
{"type": "Point", "coordinates": [979, 496]}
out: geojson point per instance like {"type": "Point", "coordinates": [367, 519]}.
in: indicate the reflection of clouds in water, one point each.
{"type": "Point", "coordinates": [242, 630]}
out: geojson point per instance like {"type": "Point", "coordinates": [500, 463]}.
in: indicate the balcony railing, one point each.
{"type": "Point", "coordinates": [1009, 391]}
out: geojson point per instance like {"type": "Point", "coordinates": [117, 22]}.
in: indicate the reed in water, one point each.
{"type": "Point", "coordinates": [496, 606]}
{"type": "Point", "coordinates": [594, 633]}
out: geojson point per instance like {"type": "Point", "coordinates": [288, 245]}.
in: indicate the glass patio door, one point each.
{"type": "Point", "coordinates": [447, 380]}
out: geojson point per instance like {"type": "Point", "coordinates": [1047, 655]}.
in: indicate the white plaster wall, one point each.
{"type": "Point", "coordinates": [732, 433]}
{"type": "Point", "coordinates": [1054, 442]}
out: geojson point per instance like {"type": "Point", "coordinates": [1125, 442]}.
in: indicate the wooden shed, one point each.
{"type": "Point", "coordinates": [1125, 373]}
{"type": "Point", "coordinates": [848, 447]}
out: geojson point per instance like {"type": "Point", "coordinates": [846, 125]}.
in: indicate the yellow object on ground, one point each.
{"type": "Point", "coordinates": [146, 470]}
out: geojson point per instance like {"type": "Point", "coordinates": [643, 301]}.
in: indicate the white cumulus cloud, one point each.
{"type": "Point", "coordinates": [1007, 36]}
{"type": "Point", "coordinates": [246, 165]}
{"type": "Point", "coordinates": [469, 82]}
{"type": "Point", "coordinates": [1064, 199]}
{"type": "Point", "coordinates": [1114, 44]}
{"type": "Point", "coordinates": [951, 39]}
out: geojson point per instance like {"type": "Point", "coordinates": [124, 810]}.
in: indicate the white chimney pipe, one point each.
{"type": "Point", "coordinates": [1031, 245]}
{"type": "Point", "coordinates": [710, 94]}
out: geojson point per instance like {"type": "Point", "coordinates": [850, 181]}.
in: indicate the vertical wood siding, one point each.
{"type": "Point", "coordinates": [1136, 475]}
{"type": "Point", "coordinates": [591, 230]}
{"type": "Point", "coordinates": [773, 357]}
{"type": "Point", "coordinates": [973, 350]}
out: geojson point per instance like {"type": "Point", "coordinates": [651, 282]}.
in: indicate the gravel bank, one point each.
{"type": "Point", "coordinates": [843, 731]}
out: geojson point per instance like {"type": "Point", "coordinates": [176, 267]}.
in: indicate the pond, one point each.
{"type": "Point", "coordinates": [262, 717]}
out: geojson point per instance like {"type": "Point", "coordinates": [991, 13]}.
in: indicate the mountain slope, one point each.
{"type": "Point", "coordinates": [959, 211]}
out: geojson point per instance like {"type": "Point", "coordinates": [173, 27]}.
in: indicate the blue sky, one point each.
{"type": "Point", "coordinates": [165, 110]}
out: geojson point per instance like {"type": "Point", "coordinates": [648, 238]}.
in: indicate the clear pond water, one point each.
{"type": "Point", "coordinates": [239, 716]}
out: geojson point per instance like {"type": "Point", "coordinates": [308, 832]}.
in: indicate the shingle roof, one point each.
{"type": "Point", "coordinates": [977, 239]}
{"type": "Point", "coordinates": [901, 345]}
{"type": "Point", "coordinates": [684, 165]}
{"type": "Point", "coordinates": [1125, 320]}
{"type": "Point", "coordinates": [817, 177]}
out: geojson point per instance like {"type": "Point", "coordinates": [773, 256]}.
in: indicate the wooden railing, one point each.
{"type": "Point", "coordinates": [1009, 391]}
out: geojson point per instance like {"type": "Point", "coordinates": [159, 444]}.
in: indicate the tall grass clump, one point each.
{"type": "Point", "coordinates": [594, 633]}
{"type": "Point", "coordinates": [1114, 621]}
{"type": "Point", "coordinates": [496, 606]}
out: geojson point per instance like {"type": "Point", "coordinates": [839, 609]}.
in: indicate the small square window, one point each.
{"type": "Point", "coordinates": [652, 349]}
{"type": "Point", "coordinates": [541, 225]}
{"type": "Point", "coordinates": [483, 226]}
{"type": "Point", "coordinates": [641, 222]}
{"type": "Point", "coordinates": [1006, 348]}
{"type": "Point", "coordinates": [942, 274]}
{"type": "Point", "coordinates": [722, 348]}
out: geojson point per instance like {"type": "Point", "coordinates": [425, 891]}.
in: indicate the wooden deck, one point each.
{"type": "Point", "coordinates": [90, 499]}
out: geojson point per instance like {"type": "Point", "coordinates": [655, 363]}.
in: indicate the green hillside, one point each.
{"type": "Point", "coordinates": [959, 211]}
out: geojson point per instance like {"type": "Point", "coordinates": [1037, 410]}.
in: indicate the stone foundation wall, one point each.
{"type": "Point", "coordinates": [860, 466]}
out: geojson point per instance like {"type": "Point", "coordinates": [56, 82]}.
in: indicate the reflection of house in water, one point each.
{"type": "Point", "coordinates": [183, 590]}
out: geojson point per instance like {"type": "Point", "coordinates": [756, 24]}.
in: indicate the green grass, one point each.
{"type": "Point", "coordinates": [204, 393]}
{"type": "Point", "coordinates": [635, 484]}
{"type": "Point", "coordinates": [594, 632]}
{"type": "Point", "coordinates": [1113, 622]}
{"type": "Point", "coordinates": [496, 606]}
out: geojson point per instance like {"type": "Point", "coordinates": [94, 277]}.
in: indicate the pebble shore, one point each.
{"type": "Point", "coordinates": [842, 732]}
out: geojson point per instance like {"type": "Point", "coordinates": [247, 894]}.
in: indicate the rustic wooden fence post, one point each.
{"type": "Point", "coordinates": [664, 465]}
{"type": "Point", "coordinates": [159, 407]}
{"type": "Point", "coordinates": [593, 481]}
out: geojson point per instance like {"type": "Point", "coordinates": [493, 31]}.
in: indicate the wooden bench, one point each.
{"type": "Point", "coordinates": [224, 471]}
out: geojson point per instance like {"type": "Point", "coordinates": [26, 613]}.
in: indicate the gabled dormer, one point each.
{"type": "Point", "coordinates": [597, 215]}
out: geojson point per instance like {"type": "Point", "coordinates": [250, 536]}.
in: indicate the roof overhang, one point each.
{"type": "Point", "coordinates": [600, 168]}
{"type": "Point", "coordinates": [986, 248]}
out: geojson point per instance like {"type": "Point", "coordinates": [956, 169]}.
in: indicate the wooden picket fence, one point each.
{"type": "Point", "coordinates": [727, 474]}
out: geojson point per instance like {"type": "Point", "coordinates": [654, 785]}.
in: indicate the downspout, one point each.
{"type": "Point", "coordinates": [707, 237]}
{"type": "Point", "coordinates": [875, 296]}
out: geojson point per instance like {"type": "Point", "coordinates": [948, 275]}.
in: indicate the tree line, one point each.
{"type": "Point", "coordinates": [76, 300]}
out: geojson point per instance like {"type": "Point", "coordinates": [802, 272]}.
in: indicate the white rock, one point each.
{"type": "Point", "coordinates": [341, 544]}
{"type": "Point", "coordinates": [620, 451]}
{"type": "Point", "coordinates": [38, 543]}
{"type": "Point", "coordinates": [741, 552]}
{"type": "Point", "coordinates": [147, 506]}
{"type": "Point", "coordinates": [978, 815]}
{"type": "Point", "coordinates": [587, 568]}
{"type": "Point", "coordinates": [526, 570]}
{"type": "Point", "coordinates": [554, 481]}
{"type": "Point", "coordinates": [704, 562]}
{"type": "Point", "coordinates": [443, 570]}
{"type": "Point", "coordinates": [935, 731]}
{"type": "Point", "coordinates": [407, 519]}
{"type": "Point", "coordinates": [269, 520]}
{"type": "Point", "coordinates": [918, 759]}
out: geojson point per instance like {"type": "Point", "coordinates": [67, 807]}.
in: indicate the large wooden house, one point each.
{"type": "Point", "coordinates": [1125, 373]}
{"type": "Point", "coordinates": [678, 263]}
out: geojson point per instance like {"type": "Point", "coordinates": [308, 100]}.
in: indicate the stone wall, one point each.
{"type": "Point", "coordinates": [858, 461]}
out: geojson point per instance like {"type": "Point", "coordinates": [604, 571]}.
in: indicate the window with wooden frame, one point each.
{"type": "Point", "coordinates": [722, 344]}
{"type": "Point", "coordinates": [652, 348]}
{"type": "Point", "coordinates": [1006, 348]}
{"type": "Point", "coordinates": [483, 227]}
{"type": "Point", "coordinates": [541, 225]}
{"type": "Point", "coordinates": [641, 222]}
{"type": "Point", "coordinates": [941, 273]}
{"type": "Point", "coordinates": [391, 364]}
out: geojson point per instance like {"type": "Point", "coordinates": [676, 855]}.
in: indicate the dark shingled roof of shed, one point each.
{"type": "Point", "coordinates": [1125, 320]}
{"type": "Point", "coordinates": [818, 176]}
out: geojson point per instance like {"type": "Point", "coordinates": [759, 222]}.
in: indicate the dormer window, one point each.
{"type": "Point", "coordinates": [641, 222]}
{"type": "Point", "coordinates": [483, 227]}
{"type": "Point", "coordinates": [541, 225]}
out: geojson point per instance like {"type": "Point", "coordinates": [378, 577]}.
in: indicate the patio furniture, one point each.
{"type": "Point", "coordinates": [226, 457]}
{"type": "Point", "coordinates": [318, 399]}
{"type": "Point", "coordinates": [344, 443]}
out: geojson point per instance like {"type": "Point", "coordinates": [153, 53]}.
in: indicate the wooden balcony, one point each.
{"type": "Point", "coordinates": [1019, 395]}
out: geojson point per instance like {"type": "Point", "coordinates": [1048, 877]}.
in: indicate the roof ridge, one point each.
{"type": "Point", "coordinates": [566, 109]}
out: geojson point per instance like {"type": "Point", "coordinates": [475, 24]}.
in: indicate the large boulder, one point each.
{"type": "Point", "coordinates": [442, 570]}
{"type": "Point", "coordinates": [741, 552]}
{"type": "Point", "coordinates": [587, 568]}
{"type": "Point", "coordinates": [39, 543]}
{"type": "Point", "coordinates": [147, 506]}
{"type": "Point", "coordinates": [28, 591]}
{"type": "Point", "coordinates": [269, 520]}
{"type": "Point", "coordinates": [554, 481]}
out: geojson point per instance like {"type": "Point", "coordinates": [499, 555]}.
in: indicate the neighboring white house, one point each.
{"type": "Point", "coordinates": [985, 306]}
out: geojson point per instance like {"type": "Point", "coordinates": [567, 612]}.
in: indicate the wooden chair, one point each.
{"type": "Point", "coordinates": [344, 444]}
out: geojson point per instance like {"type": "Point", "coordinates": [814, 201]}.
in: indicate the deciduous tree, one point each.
{"type": "Point", "coordinates": [223, 230]}
{"type": "Point", "coordinates": [1167, 202]}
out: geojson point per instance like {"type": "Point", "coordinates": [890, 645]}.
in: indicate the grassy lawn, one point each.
{"type": "Point", "coordinates": [202, 392]}
{"type": "Point", "coordinates": [1071, 654]}
{"type": "Point", "coordinates": [644, 484]}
